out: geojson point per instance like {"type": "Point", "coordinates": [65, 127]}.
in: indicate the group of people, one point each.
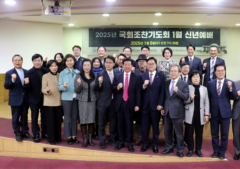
{"type": "Point", "coordinates": [95, 92]}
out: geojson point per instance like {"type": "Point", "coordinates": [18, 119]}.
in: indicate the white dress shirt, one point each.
{"type": "Point", "coordinates": [124, 76]}
{"type": "Point", "coordinates": [109, 75]}
{"type": "Point", "coordinates": [175, 82]}
{"type": "Point", "coordinates": [222, 81]}
{"type": "Point", "coordinates": [186, 78]}
{"type": "Point", "coordinates": [215, 59]}
{"type": "Point", "coordinates": [20, 74]}
{"type": "Point", "coordinates": [153, 76]}
{"type": "Point", "coordinates": [190, 57]}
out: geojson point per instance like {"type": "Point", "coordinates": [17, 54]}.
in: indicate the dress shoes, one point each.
{"type": "Point", "coordinates": [215, 155]}
{"type": "Point", "coordinates": [221, 156]}
{"type": "Point", "coordinates": [113, 143]}
{"type": "Point", "coordinates": [167, 151]}
{"type": "Point", "coordinates": [119, 146]}
{"type": "Point", "coordinates": [180, 154]}
{"type": "Point", "coordinates": [70, 141]}
{"type": "Point", "coordinates": [36, 138]}
{"type": "Point", "coordinates": [27, 135]}
{"type": "Point", "coordinates": [155, 149]}
{"type": "Point", "coordinates": [236, 157]}
{"type": "Point", "coordinates": [44, 136]}
{"type": "Point", "coordinates": [144, 148]}
{"type": "Point", "coordinates": [75, 140]}
{"type": "Point", "coordinates": [199, 153]}
{"type": "Point", "coordinates": [19, 138]}
{"type": "Point", "coordinates": [138, 141]}
{"type": "Point", "coordinates": [190, 153]}
{"type": "Point", "coordinates": [102, 145]}
{"type": "Point", "coordinates": [130, 148]}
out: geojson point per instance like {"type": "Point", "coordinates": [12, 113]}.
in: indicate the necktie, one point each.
{"type": "Point", "coordinates": [171, 91]}
{"type": "Point", "coordinates": [185, 79]}
{"type": "Point", "coordinates": [190, 62]}
{"type": "Point", "coordinates": [151, 79]}
{"type": "Point", "coordinates": [219, 88]}
{"type": "Point", "coordinates": [125, 95]}
{"type": "Point", "coordinates": [110, 76]}
{"type": "Point", "coordinates": [212, 69]}
{"type": "Point", "coordinates": [73, 73]}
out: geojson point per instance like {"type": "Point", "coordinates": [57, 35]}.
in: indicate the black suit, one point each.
{"type": "Point", "coordinates": [17, 101]}
{"type": "Point", "coordinates": [79, 63]}
{"type": "Point", "coordinates": [125, 109]}
{"type": "Point", "coordinates": [189, 82]}
{"type": "Point", "coordinates": [105, 103]}
{"type": "Point", "coordinates": [35, 100]}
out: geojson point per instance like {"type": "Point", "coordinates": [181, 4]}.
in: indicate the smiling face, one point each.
{"type": "Point", "coordinates": [127, 66]}
{"type": "Point", "coordinates": [145, 52]}
{"type": "Point", "coordinates": [17, 62]}
{"type": "Point", "coordinates": [37, 63]}
{"type": "Point", "coordinates": [76, 52]}
{"type": "Point", "coordinates": [190, 51]}
{"type": "Point", "coordinates": [185, 69]}
{"type": "Point", "coordinates": [87, 67]}
{"type": "Point", "coordinates": [58, 58]}
{"type": "Point", "coordinates": [127, 52]}
{"type": "Point", "coordinates": [174, 72]}
{"type": "Point", "coordinates": [220, 72]}
{"type": "Point", "coordinates": [53, 68]}
{"type": "Point", "coordinates": [119, 61]}
{"type": "Point", "coordinates": [101, 52]}
{"type": "Point", "coordinates": [70, 63]}
{"type": "Point", "coordinates": [167, 54]}
{"type": "Point", "coordinates": [109, 64]}
{"type": "Point", "coordinates": [213, 52]}
{"type": "Point", "coordinates": [96, 64]}
{"type": "Point", "coordinates": [151, 65]}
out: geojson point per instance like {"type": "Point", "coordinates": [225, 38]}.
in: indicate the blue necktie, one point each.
{"type": "Point", "coordinates": [171, 91]}
{"type": "Point", "coordinates": [185, 79]}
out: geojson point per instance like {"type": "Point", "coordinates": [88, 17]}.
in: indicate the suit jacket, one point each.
{"type": "Point", "coordinates": [116, 70]}
{"type": "Point", "coordinates": [174, 105]}
{"type": "Point", "coordinates": [188, 80]}
{"type": "Point", "coordinates": [196, 63]}
{"type": "Point", "coordinates": [204, 105]}
{"type": "Point", "coordinates": [79, 63]}
{"type": "Point", "coordinates": [153, 95]}
{"type": "Point", "coordinates": [134, 92]}
{"type": "Point", "coordinates": [105, 90]}
{"type": "Point", "coordinates": [208, 69]}
{"type": "Point", "coordinates": [17, 91]}
{"type": "Point", "coordinates": [35, 85]}
{"type": "Point", "coordinates": [222, 102]}
{"type": "Point", "coordinates": [236, 104]}
{"type": "Point", "coordinates": [138, 71]}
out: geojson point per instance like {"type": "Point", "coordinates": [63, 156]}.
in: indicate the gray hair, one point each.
{"type": "Point", "coordinates": [175, 65]}
{"type": "Point", "coordinates": [17, 55]}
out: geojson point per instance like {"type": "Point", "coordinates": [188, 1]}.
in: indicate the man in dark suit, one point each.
{"type": "Point", "coordinates": [101, 51]}
{"type": "Point", "coordinates": [176, 91]}
{"type": "Point", "coordinates": [105, 103]}
{"type": "Point", "coordinates": [185, 68]}
{"type": "Point", "coordinates": [221, 91]}
{"type": "Point", "coordinates": [35, 96]}
{"type": "Point", "coordinates": [14, 81]}
{"type": "Point", "coordinates": [137, 116]}
{"type": "Point", "coordinates": [128, 52]}
{"type": "Point", "coordinates": [77, 54]}
{"type": "Point", "coordinates": [152, 84]}
{"type": "Point", "coordinates": [120, 58]}
{"type": "Point", "coordinates": [209, 63]}
{"type": "Point", "coordinates": [127, 100]}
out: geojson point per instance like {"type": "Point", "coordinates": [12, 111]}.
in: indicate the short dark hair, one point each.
{"type": "Point", "coordinates": [76, 46]}
{"type": "Point", "coordinates": [92, 75]}
{"type": "Point", "coordinates": [127, 47]}
{"type": "Point", "coordinates": [217, 65]}
{"type": "Point", "coordinates": [102, 47]}
{"type": "Point", "coordinates": [61, 55]}
{"type": "Point", "coordinates": [50, 62]}
{"type": "Point", "coordinates": [214, 46]}
{"type": "Point", "coordinates": [35, 56]}
{"type": "Point", "coordinates": [190, 45]}
{"type": "Point", "coordinates": [152, 58]}
{"type": "Point", "coordinates": [74, 59]}
{"type": "Point", "coordinates": [184, 64]}
{"type": "Point", "coordinates": [121, 54]}
{"type": "Point", "coordinates": [193, 73]}
{"type": "Point", "coordinates": [169, 49]}
{"type": "Point", "coordinates": [17, 55]}
{"type": "Point", "coordinates": [145, 46]}
{"type": "Point", "coordinates": [110, 57]}
{"type": "Point", "coordinates": [97, 58]}
{"type": "Point", "coordinates": [127, 60]}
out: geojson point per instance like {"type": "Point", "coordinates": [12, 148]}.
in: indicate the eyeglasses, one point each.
{"type": "Point", "coordinates": [173, 71]}
{"type": "Point", "coordinates": [151, 64]}
{"type": "Point", "coordinates": [219, 71]}
{"type": "Point", "coordinates": [185, 67]}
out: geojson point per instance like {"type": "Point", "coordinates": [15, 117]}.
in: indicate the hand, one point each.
{"type": "Point", "coordinates": [26, 80]}
{"type": "Point", "coordinates": [210, 116]}
{"type": "Point", "coordinates": [159, 107]}
{"type": "Point", "coordinates": [162, 112]}
{"type": "Point", "coordinates": [146, 82]}
{"type": "Point", "coordinates": [100, 80]}
{"type": "Point", "coordinates": [183, 60]}
{"type": "Point", "coordinates": [47, 89]}
{"type": "Point", "coordinates": [175, 89]}
{"type": "Point", "coordinates": [14, 76]}
{"type": "Point", "coordinates": [133, 69]}
{"type": "Point", "coordinates": [79, 81]}
{"type": "Point", "coordinates": [192, 97]}
{"type": "Point", "coordinates": [45, 59]}
{"type": "Point", "coordinates": [229, 83]}
{"type": "Point", "coordinates": [206, 118]}
{"type": "Point", "coordinates": [120, 85]}
{"type": "Point", "coordinates": [204, 65]}
{"type": "Point", "coordinates": [238, 92]}
{"type": "Point", "coordinates": [136, 108]}
{"type": "Point", "coordinates": [161, 67]}
{"type": "Point", "coordinates": [65, 85]}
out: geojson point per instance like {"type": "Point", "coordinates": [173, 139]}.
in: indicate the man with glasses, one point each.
{"type": "Point", "coordinates": [128, 52]}
{"type": "Point", "coordinates": [120, 58]}
{"type": "Point", "coordinates": [102, 51]}
{"type": "Point", "coordinates": [77, 54]}
{"type": "Point", "coordinates": [185, 69]}
{"type": "Point", "coordinates": [209, 63]}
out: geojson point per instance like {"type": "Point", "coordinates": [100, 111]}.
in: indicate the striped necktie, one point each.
{"type": "Point", "coordinates": [212, 68]}
{"type": "Point", "coordinates": [219, 88]}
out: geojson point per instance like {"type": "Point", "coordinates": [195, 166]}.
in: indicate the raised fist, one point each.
{"type": "Point", "coordinates": [14, 76]}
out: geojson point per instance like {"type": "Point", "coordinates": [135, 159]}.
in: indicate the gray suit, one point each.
{"type": "Point", "coordinates": [204, 105]}
{"type": "Point", "coordinates": [174, 113]}
{"type": "Point", "coordinates": [236, 121]}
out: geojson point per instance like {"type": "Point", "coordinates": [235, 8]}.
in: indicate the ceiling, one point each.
{"type": "Point", "coordinates": [131, 13]}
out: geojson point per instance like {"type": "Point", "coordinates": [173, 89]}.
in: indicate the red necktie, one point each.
{"type": "Point", "coordinates": [125, 95]}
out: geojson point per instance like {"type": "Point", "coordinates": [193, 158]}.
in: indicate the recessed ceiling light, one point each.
{"type": "Point", "coordinates": [10, 2]}
{"type": "Point", "coordinates": [158, 14]}
{"type": "Point", "coordinates": [106, 14]}
{"type": "Point", "coordinates": [238, 24]}
{"type": "Point", "coordinates": [197, 24]}
{"type": "Point", "coordinates": [155, 23]}
{"type": "Point", "coordinates": [110, 0]}
{"type": "Point", "coordinates": [71, 24]}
